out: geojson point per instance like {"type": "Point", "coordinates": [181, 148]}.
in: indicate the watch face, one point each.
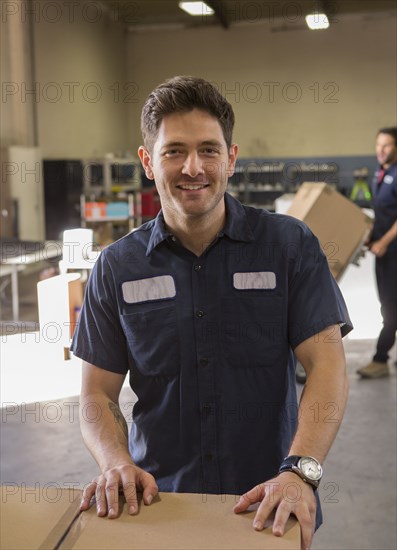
{"type": "Point", "coordinates": [310, 468]}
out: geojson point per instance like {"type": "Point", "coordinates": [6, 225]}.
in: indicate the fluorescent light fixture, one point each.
{"type": "Point", "coordinates": [316, 21]}
{"type": "Point", "coordinates": [196, 8]}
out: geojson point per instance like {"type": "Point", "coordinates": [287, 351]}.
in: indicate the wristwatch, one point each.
{"type": "Point", "coordinates": [306, 467]}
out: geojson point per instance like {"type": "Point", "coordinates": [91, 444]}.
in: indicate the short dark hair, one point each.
{"type": "Point", "coordinates": [392, 131]}
{"type": "Point", "coordinates": [183, 94]}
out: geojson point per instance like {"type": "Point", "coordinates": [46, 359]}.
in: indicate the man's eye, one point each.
{"type": "Point", "coordinates": [210, 151]}
{"type": "Point", "coordinates": [172, 152]}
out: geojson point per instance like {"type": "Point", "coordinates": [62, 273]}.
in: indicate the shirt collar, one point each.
{"type": "Point", "coordinates": [159, 233]}
{"type": "Point", "coordinates": [236, 227]}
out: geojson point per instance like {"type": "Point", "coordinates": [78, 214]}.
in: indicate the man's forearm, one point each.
{"type": "Point", "coordinates": [321, 411]}
{"type": "Point", "coordinates": [105, 431]}
{"type": "Point", "coordinates": [390, 235]}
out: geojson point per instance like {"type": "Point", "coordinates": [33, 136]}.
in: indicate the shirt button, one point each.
{"type": "Point", "coordinates": [200, 313]}
{"type": "Point", "coordinates": [173, 238]}
{"type": "Point", "coordinates": [206, 409]}
{"type": "Point", "coordinates": [197, 267]}
{"type": "Point", "coordinates": [204, 361]}
{"type": "Point", "coordinates": [209, 457]}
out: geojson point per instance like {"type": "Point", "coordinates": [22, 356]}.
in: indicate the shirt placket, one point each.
{"type": "Point", "coordinates": [205, 362]}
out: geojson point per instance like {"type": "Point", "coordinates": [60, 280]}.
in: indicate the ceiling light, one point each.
{"type": "Point", "coordinates": [196, 8]}
{"type": "Point", "coordinates": [316, 21]}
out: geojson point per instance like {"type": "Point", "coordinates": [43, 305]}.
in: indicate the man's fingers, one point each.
{"type": "Point", "coordinates": [305, 513]}
{"type": "Point", "coordinates": [100, 497]}
{"type": "Point", "coordinates": [107, 488]}
{"type": "Point", "coordinates": [129, 488]}
{"type": "Point", "coordinates": [112, 496]}
{"type": "Point", "coordinates": [254, 495]}
{"type": "Point", "coordinates": [149, 487]}
{"type": "Point", "coordinates": [307, 525]}
{"type": "Point", "coordinates": [263, 512]}
{"type": "Point", "coordinates": [88, 493]}
{"type": "Point", "coordinates": [140, 480]}
{"type": "Point", "coordinates": [282, 514]}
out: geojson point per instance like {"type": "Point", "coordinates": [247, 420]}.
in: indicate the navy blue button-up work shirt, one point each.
{"type": "Point", "coordinates": [208, 342]}
{"type": "Point", "coordinates": [384, 202]}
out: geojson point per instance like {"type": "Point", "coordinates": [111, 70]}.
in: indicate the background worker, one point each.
{"type": "Point", "coordinates": [383, 244]}
{"type": "Point", "coordinates": [203, 308]}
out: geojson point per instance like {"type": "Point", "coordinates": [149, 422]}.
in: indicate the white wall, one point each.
{"type": "Point", "coordinates": [22, 171]}
{"type": "Point", "coordinates": [17, 124]}
{"type": "Point", "coordinates": [82, 52]}
{"type": "Point", "coordinates": [80, 61]}
{"type": "Point", "coordinates": [353, 63]}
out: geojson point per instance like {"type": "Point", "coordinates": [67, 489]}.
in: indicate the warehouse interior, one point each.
{"type": "Point", "coordinates": [308, 105]}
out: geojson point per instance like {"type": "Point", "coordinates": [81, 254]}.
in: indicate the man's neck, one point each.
{"type": "Point", "coordinates": [196, 233]}
{"type": "Point", "coordinates": [387, 165]}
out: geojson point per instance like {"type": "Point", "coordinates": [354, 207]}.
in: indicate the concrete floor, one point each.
{"type": "Point", "coordinates": [41, 445]}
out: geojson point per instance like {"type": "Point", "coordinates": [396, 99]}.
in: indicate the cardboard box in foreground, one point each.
{"type": "Point", "coordinates": [48, 518]}
{"type": "Point", "coordinates": [339, 224]}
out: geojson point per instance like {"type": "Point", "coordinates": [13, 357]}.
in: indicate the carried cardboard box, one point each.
{"type": "Point", "coordinates": [340, 225]}
{"type": "Point", "coordinates": [49, 518]}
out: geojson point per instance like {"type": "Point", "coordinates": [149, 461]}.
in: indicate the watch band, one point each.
{"type": "Point", "coordinates": [289, 461]}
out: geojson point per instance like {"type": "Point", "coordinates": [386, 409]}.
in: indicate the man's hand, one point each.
{"type": "Point", "coordinates": [127, 478]}
{"type": "Point", "coordinates": [379, 248]}
{"type": "Point", "coordinates": [290, 495]}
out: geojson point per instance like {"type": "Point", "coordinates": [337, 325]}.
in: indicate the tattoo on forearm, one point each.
{"type": "Point", "coordinates": [118, 417]}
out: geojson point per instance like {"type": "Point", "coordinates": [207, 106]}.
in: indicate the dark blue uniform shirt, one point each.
{"type": "Point", "coordinates": [384, 202]}
{"type": "Point", "coordinates": [208, 342]}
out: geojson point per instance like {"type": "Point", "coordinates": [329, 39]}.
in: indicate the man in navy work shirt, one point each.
{"type": "Point", "coordinates": [383, 243]}
{"type": "Point", "coordinates": [204, 307]}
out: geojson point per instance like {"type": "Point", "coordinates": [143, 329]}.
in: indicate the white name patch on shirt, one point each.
{"type": "Point", "coordinates": [147, 290]}
{"type": "Point", "coordinates": [260, 280]}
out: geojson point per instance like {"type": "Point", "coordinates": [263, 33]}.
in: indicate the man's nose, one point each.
{"type": "Point", "coordinates": [193, 165]}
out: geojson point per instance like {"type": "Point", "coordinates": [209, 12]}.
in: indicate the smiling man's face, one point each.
{"type": "Point", "coordinates": [190, 163]}
{"type": "Point", "coordinates": [386, 150]}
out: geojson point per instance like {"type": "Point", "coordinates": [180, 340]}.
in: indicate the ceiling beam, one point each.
{"type": "Point", "coordinates": [219, 12]}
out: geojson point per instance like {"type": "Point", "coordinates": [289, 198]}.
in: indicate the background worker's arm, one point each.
{"type": "Point", "coordinates": [321, 410]}
{"type": "Point", "coordinates": [380, 246]}
{"type": "Point", "coordinates": [105, 433]}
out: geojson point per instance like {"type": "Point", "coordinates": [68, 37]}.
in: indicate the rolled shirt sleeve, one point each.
{"type": "Point", "coordinates": [315, 300]}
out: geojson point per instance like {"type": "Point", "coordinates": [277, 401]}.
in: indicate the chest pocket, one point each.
{"type": "Point", "coordinates": [253, 332]}
{"type": "Point", "coordinates": [153, 340]}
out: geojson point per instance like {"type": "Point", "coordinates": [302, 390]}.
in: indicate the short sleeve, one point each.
{"type": "Point", "coordinates": [99, 338]}
{"type": "Point", "coordinates": [315, 300]}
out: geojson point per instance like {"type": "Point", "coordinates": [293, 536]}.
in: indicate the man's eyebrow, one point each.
{"type": "Point", "coordinates": [173, 144]}
{"type": "Point", "coordinates": [207, 142]}
{"type": "Point", "coordinates": [213, 142]}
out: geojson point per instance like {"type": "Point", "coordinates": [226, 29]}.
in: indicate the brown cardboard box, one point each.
{"type": "Point", "coordinates": [172, 521]}
{"type": "Point", "coordinates": [339, 224]}
{"type": "Point", "coordinates": [36, 517]}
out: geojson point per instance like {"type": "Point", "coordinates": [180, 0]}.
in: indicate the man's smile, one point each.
{"type": "Point", "coordinates": [192, 186]}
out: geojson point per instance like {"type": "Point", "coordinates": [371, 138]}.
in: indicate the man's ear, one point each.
{"type": "Point", "coordinates": [144, 155]}
{"type": "Point", "coordinates": [233, 152]}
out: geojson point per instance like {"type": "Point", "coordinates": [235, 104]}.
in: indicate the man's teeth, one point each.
{"type": "Point", "coordinates": [192, 187]}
